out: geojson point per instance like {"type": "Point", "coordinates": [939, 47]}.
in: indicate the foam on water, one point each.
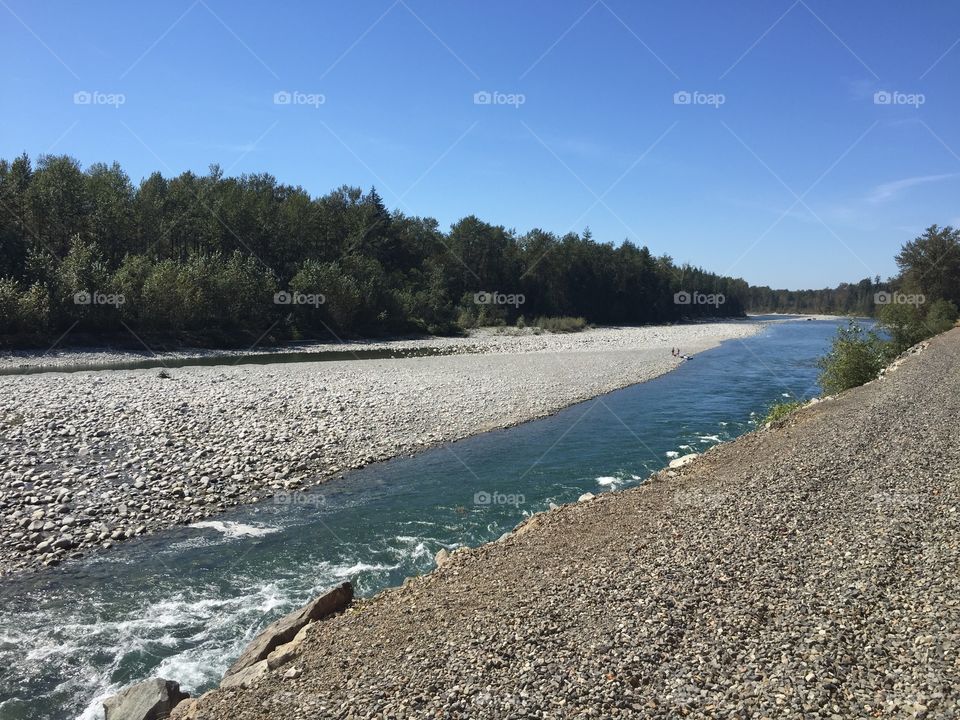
{"type": "Point", "coordinates": [235, 529]}
{"type": "Point", "coordinates": [672, 454]}
{"type": "Point", "coordinates": [615, 482]}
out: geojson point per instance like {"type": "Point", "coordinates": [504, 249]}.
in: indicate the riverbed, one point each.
{"type": "Point", "coordinates": [91, 459]}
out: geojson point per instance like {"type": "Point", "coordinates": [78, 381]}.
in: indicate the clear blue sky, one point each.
{"type": "Point", "coordinates": [798, 179]}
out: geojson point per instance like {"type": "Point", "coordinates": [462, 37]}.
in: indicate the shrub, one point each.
{"type": "Point", "coordinates": [855, 358]}
{"type": "Point", "coordinates": [23, 311]}
{"type": "Point", "coordinates": [9, 304]}
{"type": "Point", "coordinates": [34, 316]}
{"type": "Point", "coordinates": [780, 411]}
{"type": "Point", "coordinates": [905, 325]}
{"type": "Point", "coordinates": [129, 280]}
{"type": "Point", "coordinates": [941, 316]}
{"type": "Point", "coordinates": [561, 324]}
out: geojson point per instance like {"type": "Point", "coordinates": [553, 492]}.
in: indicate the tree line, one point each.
{"type": "Point", "coordinates": [230, 260]}
{"type": "Point", "coordinates": [218, 259]}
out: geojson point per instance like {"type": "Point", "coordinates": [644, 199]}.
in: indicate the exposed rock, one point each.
{"type": "Point", "coordinates": [683, 460]}
{"type": "Point", "coordinates": [442, 557]}
{"type": "Point", "coordinates": [527, 525]}
{"type": "Point", "coordinates": [586, 497]}
{"type": "Point", "coordinates": [286, 628]}
{"type": "Point", "coordinates": [283, 654]}
{"type": "Point", "coordinates": [246, 676]}
{"type": "Point", "coordinates": [185, 710]}
{"type": "Point", "coordinates": [152, 699]}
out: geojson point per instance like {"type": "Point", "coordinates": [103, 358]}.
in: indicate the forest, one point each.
{"type": "Point", "coordinates": [221, 260]}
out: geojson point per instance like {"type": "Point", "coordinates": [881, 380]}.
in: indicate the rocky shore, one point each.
{"type": "Point", "coordinates": [809, 570]}
{"type": "Point", "coordinates": [92, 458]}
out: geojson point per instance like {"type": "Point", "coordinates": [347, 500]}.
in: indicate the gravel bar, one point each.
{"type": "Point", "coordinates": [811, 570]}
{"type": "Point", "coordinates": [89, 459]}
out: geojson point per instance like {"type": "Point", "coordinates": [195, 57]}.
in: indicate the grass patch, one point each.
{"type": "Point", "coordinates": [780, 411]}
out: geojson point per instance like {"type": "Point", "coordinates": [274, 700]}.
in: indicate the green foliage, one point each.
{"type": "Point", "coordinates": [207, 294]}
{"type": "Point", "coordinates": [941, 316]}
{"type": "Point", "coordinates": [905, 325]}
{"type": "Point", "coordinates": [203, 256]}
{"type": "Point", "coordinates": [560, 324]}
{"type": "Point", "coordinates": [846, 299]}
{"type": "Point", "coordinates": [930, 264]}
{"type": "Point", "coordinates": [855, 358]}
{"type": "Point", "coordinates": [780, 411]}
{"type": "Point", "coordinates": [24, 311]}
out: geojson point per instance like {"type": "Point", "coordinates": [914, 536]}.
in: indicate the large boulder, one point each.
{"type": "Point", "coordinates": [152, 699]}
{"type": "Point", "coordinates": [286, 628]}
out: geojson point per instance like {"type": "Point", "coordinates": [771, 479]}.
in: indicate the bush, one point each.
{"type": "Point", "coordinates": [9, 304]}
{"type": "Point", "coordinates": [780, 411]}
{"type": "Point", "coordinates": [208, 293]}
{"type": "Point", "coordinates": [855, 358]}
{"type": "Point", "coordinates": [34, 315]}
{"type": "Point", "coordinates": [905, 325]}
{"type": "Point", "coordinates": [129, 280]}
{"type": "Point", "coordinates": [941, 316]}
{"type": "Point", "coordinates": [23, 311]}
{"type": "Point", "coordinates": [560, 324]}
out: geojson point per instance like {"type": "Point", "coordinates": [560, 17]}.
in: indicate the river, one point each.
{"type": "Point", "coordinates": [183, 603]}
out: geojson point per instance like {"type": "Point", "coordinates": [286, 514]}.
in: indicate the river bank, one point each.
{"type": "Point", "coordinates": [810, 570]}
{"type": "Point", "coordinates": [89, 459]}
{"type": "Point", "coordinates": [483, 340]}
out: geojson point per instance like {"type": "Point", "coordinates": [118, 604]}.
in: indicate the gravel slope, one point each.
{"type": "Point", "coordinates": [807, 571]}
{"type": "Point", "coordinates": [89, 459]}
